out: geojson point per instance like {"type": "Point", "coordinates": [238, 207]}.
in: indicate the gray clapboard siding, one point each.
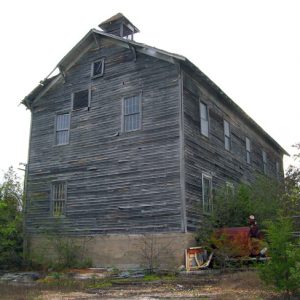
{"type": "Point", "coordinates": [117, 182]}
{"type": "Point", "coordinates": [208, 155]}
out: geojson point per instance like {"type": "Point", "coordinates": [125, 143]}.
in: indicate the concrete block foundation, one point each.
{"type": "Point", "coordinates": [130, 251]}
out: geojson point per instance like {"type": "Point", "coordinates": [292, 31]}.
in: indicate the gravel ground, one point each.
{"type": "Point", "coordinates": [241, 285]}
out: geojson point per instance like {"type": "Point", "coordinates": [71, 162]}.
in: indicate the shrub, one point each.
{"type": "Point", "coordinates": [11, 235]}
{"type": "Point", "coordinates": [283, 269]}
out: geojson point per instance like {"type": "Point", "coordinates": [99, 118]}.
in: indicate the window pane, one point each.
{"type": "Point", "coordinates": [203, 111]}
{"type": "Point", "coordinates": [132, 113]}
{"type": "Point", "coordinates": [226, 128]}
{"type": "Point", "coordinates": [248, 144]}
{"type": "Point", "coordinates": [62, 122]}
{"type": "Point", "coordinates": [131, 122]}
{"type": "Point", "coordinates": [227, 143]}
{"type": "Point", "coordinates": [62, 137]}
{"type": "Point", "coordinates": [204, 127]}
{"type": "Point", "coordinates": [58, 198]}
{"type": "Point", "coordinates": [248, 157]}
{"type": "Point", "coordinates": [264, 155]}
{"type": "Point", "coordinates": [62, 129]}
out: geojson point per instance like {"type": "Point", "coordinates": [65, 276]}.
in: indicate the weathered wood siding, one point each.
{"type": "Point", "coordinates": [208, 155]}
{"type": "Point", "coordinates": [116, 182]}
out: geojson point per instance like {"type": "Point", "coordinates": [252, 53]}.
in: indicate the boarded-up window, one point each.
{"type": "Point", "coordinates": [264, 158]}
{"type": "Point", "coordinates": [62, 129]}
{"type": "Point", "coordinates": [132, 113]}
{"type": "Point", "coordinates": [248, 150]}
{"type": "Point", "coordinates": [98, 68]}
{"type": "Point", "coordinates": [81, 99]}
{"type": "Point", "coordinates": [203, 119]}
{"type": "Point", "coordinates": [207, 193]}
{"type": "Point", "coordinates": [227, 138]}
{"type": "Point", "coordinates": [59, 195]}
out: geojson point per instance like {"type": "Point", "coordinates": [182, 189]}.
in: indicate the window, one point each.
{"type": "Point", "coordinates": [98, 68]}
{"type": "Point", "coordinates": [59, 195]}
{"type": "Point", "coordinates": [248, 150]}
{"type": "Point", "coordinates": [207, 193]}
{"type": "Point", "coordinates": [62, 129]}
{"type": "Point", "coordinates": [131, 113]}
{"type": "Point", "coordinates": [203, 119]}
{"type": "Point", "coordinates": [277, 170]}
{"type": "Point", "coordinates": [227, 138]}
{"type": "Point", "coordinates": [264, 157]}
{"type": "Point", "coordinates": [229, 191]}
{"type": "Point", "coordinates": [81, 99]}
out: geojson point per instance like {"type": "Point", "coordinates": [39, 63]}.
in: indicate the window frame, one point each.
{"type": "Point", "coordinates": [64, 201]}
{"type": "Point", "coordinates": [227, 137]}
{"type": "Point", "coordinates": [210, 202]}
{"type": "Point", "coordinates": [140, 113]}
{"type": "Point", "coordinates": [102, 68]}
{"type": "Point", "coordinates": [248, 151]}
{"type": "Point", "coordinates": [204, 120]}
{"type": "Point", "coordinates": [89, 99]}
{"type": "Point", "coordinates": [56, 131]}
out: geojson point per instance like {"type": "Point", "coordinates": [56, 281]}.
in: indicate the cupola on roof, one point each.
{"type": "Point", "coordinates": [119, 25]}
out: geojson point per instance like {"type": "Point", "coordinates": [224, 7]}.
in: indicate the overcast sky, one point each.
{"type": "Point", "coordinates": [250, 49]}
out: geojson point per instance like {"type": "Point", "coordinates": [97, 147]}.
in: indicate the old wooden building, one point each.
{"type": "Point", "coordinates": [128, 139]}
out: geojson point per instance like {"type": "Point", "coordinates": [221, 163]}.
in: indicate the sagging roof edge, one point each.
{"type": "Point", "coordinates": [28, 100]}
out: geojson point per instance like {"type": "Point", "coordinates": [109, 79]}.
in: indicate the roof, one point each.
{"type": "Point", "coordinates": [118, 17]}
{"type": "Point", "coordinates": [69, 59]}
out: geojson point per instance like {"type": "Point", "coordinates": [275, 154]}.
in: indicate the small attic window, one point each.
{"type": "Point", "coordinates": [98, 68]}
{"type": "Point", "coordinates": [81, 99]}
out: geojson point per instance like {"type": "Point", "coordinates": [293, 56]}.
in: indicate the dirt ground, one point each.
{"type": "Point", "coordinates": [239, 285]}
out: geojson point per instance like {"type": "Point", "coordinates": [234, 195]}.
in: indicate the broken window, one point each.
{"type": "Point", "coordinates": [59, 193]}
{"type": "Point", "coordinates": [81, 99]}
{"type": "Point", "coordinates": [203, 119]}
{"type": "Point", "coordinates": [62, 129]}
{"type": "Point", "coordinates": [132, 112]}
{"type": "Point", "coordinates": [207, 193]}
{"type": "Point", "coordinates": [98, 68]}
{"type": "Point", "coordinates": [248, 150]}
{"type": "Point", "coordinates": [227, 137]}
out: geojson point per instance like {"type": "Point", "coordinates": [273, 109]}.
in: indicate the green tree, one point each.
{"type": "Point", "coordinates": [10, 220]}
{"type": "Point", "coordinates": [283, 269]}
{"type": "Point", "coordinates": [263, 199]}
{"type": "Point", "coordinates": [292, 187]}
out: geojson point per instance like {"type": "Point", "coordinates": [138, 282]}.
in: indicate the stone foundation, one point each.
{"type": "Point", "coordinates": [131, 251]}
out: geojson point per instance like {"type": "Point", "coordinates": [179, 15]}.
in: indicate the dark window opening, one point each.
{"type": "Point", "coordinates": [98, 68]}
{"type": "Point", "coordinates": [81, 99]}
